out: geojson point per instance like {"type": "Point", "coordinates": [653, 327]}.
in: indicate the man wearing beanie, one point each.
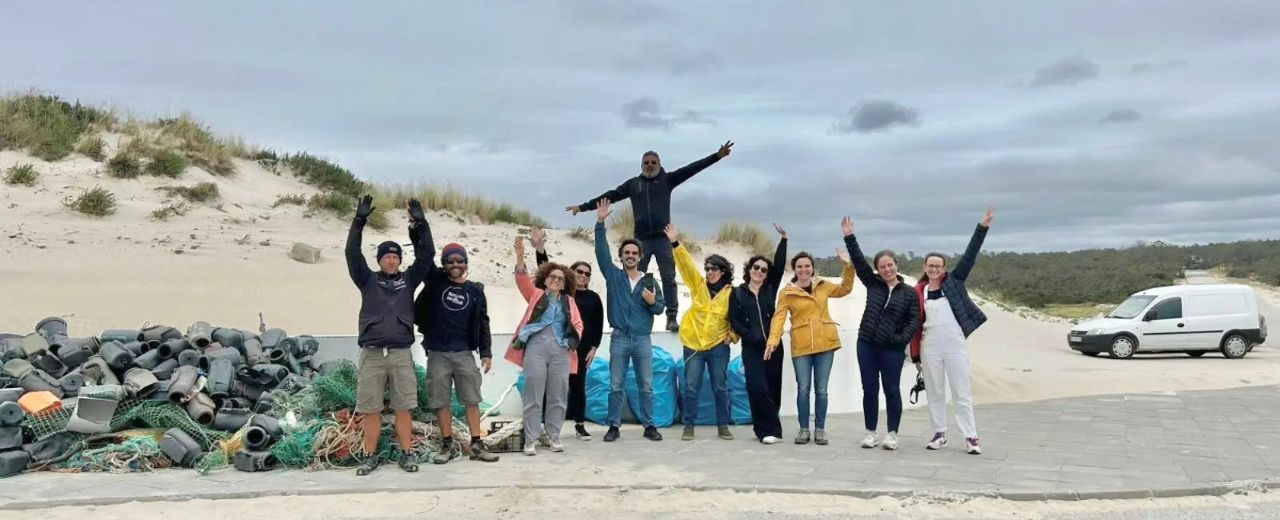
{"type": "Point", "coordinates": [452, 314]}
{"type": "Point", "coordinates": [650, 196]}
{"type": "Point", "coordinates": [386, 333]}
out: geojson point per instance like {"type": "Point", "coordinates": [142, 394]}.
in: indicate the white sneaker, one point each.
{"type": "Point", "coordinates": [530, 449]}
{"type": "Point", "coordinates": [556, 446]}
{"type": "Point", "coordinates": [890, 441]}
{"type": "Point", "coordinates": [869, 440]}
{"type": "Point", "coordinates": [544, 439]}
{"type": "Point", "coordinates": [769, 439]}
{"type": "Point", "coordinates": [938, 442]}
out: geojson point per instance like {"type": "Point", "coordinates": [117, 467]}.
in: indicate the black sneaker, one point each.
{"type": "Point", "coordinates": [580, 430]}
{"type": "Point", "coordinates": [652, 434]}
{"type": "Point", "coordinates": [611, 435]}
{"type": "Point", "coordinates": [369, 464]}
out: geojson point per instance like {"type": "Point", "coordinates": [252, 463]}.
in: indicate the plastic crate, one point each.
{"type": "Point", "coordinates": [511, 444]}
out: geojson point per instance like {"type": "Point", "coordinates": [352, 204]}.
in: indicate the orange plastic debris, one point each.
{"type": "Point", "coordinates": [36, 402]}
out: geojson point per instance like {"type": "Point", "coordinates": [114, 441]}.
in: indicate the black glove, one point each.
{"type": "Point", "coordinates": [365, 207]}
{"type": "Point", "coordinates": [415, 211]}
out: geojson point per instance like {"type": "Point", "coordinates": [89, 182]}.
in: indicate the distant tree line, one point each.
{"type": "Point", "coordinates": [1098, 275]}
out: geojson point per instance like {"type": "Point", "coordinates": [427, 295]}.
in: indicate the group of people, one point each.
{"type": "Point", "coordinates": [557, 338]}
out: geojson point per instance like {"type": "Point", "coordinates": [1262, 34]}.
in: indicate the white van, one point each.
{"type": "Point", "coordinates": [1194, 319]}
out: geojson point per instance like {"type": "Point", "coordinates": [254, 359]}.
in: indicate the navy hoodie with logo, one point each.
{"type": "Point", "coordinates": [386, 300]}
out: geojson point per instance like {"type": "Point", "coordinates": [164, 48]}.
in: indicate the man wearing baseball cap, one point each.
{"type": "Point", "coordinates": [452, 314]}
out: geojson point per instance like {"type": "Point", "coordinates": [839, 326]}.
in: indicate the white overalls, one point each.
{"type": "Point", "coordinates": [944, 359]}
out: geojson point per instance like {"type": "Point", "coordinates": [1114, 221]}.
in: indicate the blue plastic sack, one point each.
{"type": "Point", "coordinates": [739, 405]}
{"type": "Point", "coordinates": [597, 389]}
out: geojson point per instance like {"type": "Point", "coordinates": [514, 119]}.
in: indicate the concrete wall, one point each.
{"type": "Point", "coordinates": [844, 390]}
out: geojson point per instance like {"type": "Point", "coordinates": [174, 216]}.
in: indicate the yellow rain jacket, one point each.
{"type": "Point", "coordinates": [706, 323]}
{"type": "Point", "coordinates": [812, 330]}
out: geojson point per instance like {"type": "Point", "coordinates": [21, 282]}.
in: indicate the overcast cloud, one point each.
{"type": "Point", "coordinates": [1084, 122]}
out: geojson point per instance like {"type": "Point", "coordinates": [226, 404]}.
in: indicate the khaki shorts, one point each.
{"type": "Point", "coordinates": [446, 370]}
{"type": "Point", "coordinates": [377, 370]}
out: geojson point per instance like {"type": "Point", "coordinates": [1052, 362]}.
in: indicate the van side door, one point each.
{"type": "Point", "coordinates": [1210, 316]}
{"type": "Point", "coordinates": [1163, 327]}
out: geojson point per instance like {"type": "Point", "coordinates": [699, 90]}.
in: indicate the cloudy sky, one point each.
{"type": "Point", "coordinates": [1084, 122]}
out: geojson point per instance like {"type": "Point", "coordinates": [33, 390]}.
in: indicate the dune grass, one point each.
{"type": "Point", "coordinates": [201, 192]}
{"type": "Point", "coordinates": [22, 174]}
{"type": "Point", "coordinates": [749, 235]}
{"type": "Point", "coordinates": [95, 202]}
{"type": "Point", "coordinates": [444, 197]}
{"type": "Point", "coordinates": [582, 233]}
{"type": "Point", "coordinates": [46, 126]}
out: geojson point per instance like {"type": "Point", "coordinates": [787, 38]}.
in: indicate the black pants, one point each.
{"type": "Point", "coordinates": [577, 411]}
{"type": "Point", "coordinates": [660, 247]}
{"type": "Point", "coordinates": [764, 388]}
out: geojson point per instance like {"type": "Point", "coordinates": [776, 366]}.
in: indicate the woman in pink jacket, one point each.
{"type": "Point", "coordinates": [548, 332]}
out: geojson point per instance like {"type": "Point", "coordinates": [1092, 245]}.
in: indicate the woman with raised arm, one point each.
{"type": "Point", "coordinates": [751, 308]}
{"type": "Point", "coordinates": [814, 337]}
{"type": "Point", "coordinates": [544, 346]}
{"type": "Point", "coordinates": [889, 322]}
{"type": "Point", "coordinates": [949, 317]}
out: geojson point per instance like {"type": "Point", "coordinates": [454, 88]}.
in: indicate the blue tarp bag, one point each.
{"type": "Point", "coordinates": [739, 406]}
{"type": "Point", "coordinates": [597, 389]}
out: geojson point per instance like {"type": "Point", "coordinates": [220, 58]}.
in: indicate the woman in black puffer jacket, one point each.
{"type": "Point", "coordinates": [751, 308]}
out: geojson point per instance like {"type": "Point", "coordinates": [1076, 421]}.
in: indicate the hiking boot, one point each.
{"type": "Point", "coordinates": [448, 453]}
{"type": "Point", "coordinates": [938, 441]}
{"type": "Point", "coordinates": [974, 449]}
{"type": "Point", "coordinates": [481, 452]}
{"type": "Point", "coordinates": [406, 462]}
{"type": "Point", "coordinates": [803, 436]}
{"type": "Point", "coordinates": [580, 431]}
{"type": "Point", "coordinates": [370, 463]}
{"type": "Point", "coordinates": [869, 440]}
{"type": "Point", "coordinates": [724, 433]}
{"type": "Point", "coordinates": [688, 434]}
{"type": "Point", "coordinates": [820, 437]}
{"type": "Point", "coordinates": [611, 435]}
{"type": "Point", "coordinates": [673, 324]}
{"type": "Point", "coordinates": [651, 433]}
{"type": "Point", "coordinates": [890, 441]}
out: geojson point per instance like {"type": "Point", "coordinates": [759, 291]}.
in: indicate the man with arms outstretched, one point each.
{"type": "Point", "coordinates": [633, 300]}
{"type": "Point", "coordinates": [650, 196]}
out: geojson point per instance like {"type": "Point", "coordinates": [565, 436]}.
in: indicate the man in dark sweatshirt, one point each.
{"type": "Point", "coordinates": [386, 333]}
{"type": "Point", "coordinates": [650, 196]}
{"type": "Point", "coordinates": [453, 316]}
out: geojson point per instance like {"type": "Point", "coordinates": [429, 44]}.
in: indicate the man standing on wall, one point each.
{"type": "Point", "coordinates": [650, 196]}
{"type": "Point", "coordinates": [453, 316]}
{"type": "Point", "coordinates": [386, 333]}
{"type": "Point", "coordinates": [634, 299]}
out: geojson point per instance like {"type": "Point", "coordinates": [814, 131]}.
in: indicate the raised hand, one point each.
{"type": "Point", "coordinates": [415, 210]}
{"type": "Point", "coordinates": [671, 232]}
{"type": "Point", "coordinates": [571, 209]}
{"type": "Point", "coordinates": [724, 149]}
{"type": "Point", "coordinates": [846, 225]}
{"type": "Point", "coordinates": [986, 219]}
{"type": "Point", "coordinates": [519, 246]}
{"type": "Point", "coordinates": [602, 210]}
{"type": "Point", "coordinates": [779, 229]}
{"type": "Point", "coordinates": [536, 236]}
{"type": "Point", "coordinates": [844, 256]}
{"type": "Point", "coordinates": [365, 207]}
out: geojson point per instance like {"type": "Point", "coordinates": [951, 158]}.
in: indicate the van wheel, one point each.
{"type": "Point", "coordinates": [1196, 353]}
{"type": "Point", "coordinates": [1122, 347]}
{"type": "Point", "coordinates": [1235, 346]}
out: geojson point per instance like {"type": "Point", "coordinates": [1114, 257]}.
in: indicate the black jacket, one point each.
{"type": "Point", "coordinates": [892, 316]}
{"type": "Point", "coordinates": [651, 197]}
{"type": "Point", "coordinates": [750, 315]}
{"type": "Point", "coordinates": [386, 301]}
{"type": "Point", "coordinates": [590, 308]}
{"type": "Point", "coordinates": [480, 339]}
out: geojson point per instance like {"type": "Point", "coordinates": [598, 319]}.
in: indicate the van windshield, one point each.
{"type": "Point", "coordinates": [1131, 307]}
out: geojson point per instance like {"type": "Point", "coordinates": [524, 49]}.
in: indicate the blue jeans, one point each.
{"type": "Point", "coordinates": [881, 365]}
{"type": "Point", "coordinates": [624, 350]}
{"type": "Point", "coordinates": [813, 371]}
{"type": "Point", "coordinates": [697, 363]}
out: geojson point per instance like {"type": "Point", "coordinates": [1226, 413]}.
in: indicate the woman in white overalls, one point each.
{"type": "Point", "coordinates": [938, 350]}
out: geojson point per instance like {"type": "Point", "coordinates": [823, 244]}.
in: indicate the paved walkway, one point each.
{"type": "Point", "coordinates": [1117, 446]}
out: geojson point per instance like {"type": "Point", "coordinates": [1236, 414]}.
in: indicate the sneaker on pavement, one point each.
{"type": "Point", "coordinates": [580, 431]}
{"type": "Point", "coordinates": [724, 433]}
{"type": "Point", "coordinates": [820, 437]}
{"type": "Point", "coordinates": [938, 441]}
{"type": "Point", "coordinates": [530, 449]}
{"type": "Point", "coordinates": [890, 441]}
{"type": "Point", "coordinates": [481, 452]}
{"type": "Point", "coordinates": [611, 435]}
{"type": "Point", "coordinates": [651, 433]}
{"type": "Point", "coordinates": [974, 449]}
{"type": "Point", "coordinates": [544, 439]}
{"type": "Point", "coordinates": [556, 446]}
{"type": "Point", "coordinates": [803, 436]}
{"type": "Point", "coordinates": [869, 440]}
{"type": "Point", "coordinates": [688, 434]}
{"type": "Point", "coordinates": [769, 439]}
{"type": "Point", "coordinates": [446, 454]}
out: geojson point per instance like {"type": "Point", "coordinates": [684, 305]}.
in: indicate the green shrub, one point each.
{"type": "Point", "coordinates": [45, 125]}
{"type": "Point", "coordinates": [124, 165]}
{"type": "Point", "coordinates": [167, 163]}
{"type": "Point", "coordinates": [93, 147]}
{"type": "Point", "coordinates": [202, 192]}
{"type": "Point", "coordinates": [95, 202]}
{"type": "Point", "coordinates": [23, 174]}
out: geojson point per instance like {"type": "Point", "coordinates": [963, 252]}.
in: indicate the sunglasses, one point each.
{"type": "Point", "coordinates": [649, 163]}
{"type": "Point", "coordinates": [583, 273]}
{"type": "Point", "coordinates": [761, 268]}
{"type": "Point", "coordinates": [556, 276]}
{"type": "Point", "coordinates": [455, 260]}
{"type": "Point", "coordinates": [710, 268]}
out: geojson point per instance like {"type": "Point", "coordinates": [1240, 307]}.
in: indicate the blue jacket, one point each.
{"type": "Point", "coordinates": [628, 312]}
{"type": "Point", "coordinates": [953, 285]}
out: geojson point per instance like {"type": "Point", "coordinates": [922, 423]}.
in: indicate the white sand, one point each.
{"type": "Point", "coordinates": [122, 270]}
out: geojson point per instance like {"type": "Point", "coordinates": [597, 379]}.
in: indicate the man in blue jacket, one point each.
{"type": "Point", "coordinates": [386, 333]}
{"type": "Point", "coordinates": [650, 196]}
{"type": "Point", "coordinates": [633, 300]}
